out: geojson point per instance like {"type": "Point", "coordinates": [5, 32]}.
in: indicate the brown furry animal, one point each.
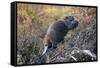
{"type": "Point", "coordinates": [56, 32]}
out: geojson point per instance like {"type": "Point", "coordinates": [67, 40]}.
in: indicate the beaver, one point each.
{"type": "Point", "coordinates": [57, 31]}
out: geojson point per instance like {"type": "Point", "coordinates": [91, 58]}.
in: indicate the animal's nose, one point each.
{"type": "Point", "coordinates": [76, 22]}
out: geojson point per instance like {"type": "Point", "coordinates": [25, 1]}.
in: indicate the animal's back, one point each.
{"type": "Point", "coordinates": [57, 31]}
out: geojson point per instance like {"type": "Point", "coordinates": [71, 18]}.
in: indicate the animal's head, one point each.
{"type": "Point", "coordinates": [70, 22]}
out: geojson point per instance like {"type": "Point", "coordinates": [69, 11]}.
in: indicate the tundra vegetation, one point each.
{"type": "Point", "coordinates": [32, 23]}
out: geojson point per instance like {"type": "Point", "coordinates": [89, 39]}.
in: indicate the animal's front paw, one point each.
{"type": "Point", "coordinates": [54, 47]}
{"type": "Point", "coordinates": [49, 46]}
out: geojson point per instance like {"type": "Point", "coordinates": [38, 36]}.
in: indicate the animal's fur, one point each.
{"type": "Point", "coordinates": [56, 32]}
